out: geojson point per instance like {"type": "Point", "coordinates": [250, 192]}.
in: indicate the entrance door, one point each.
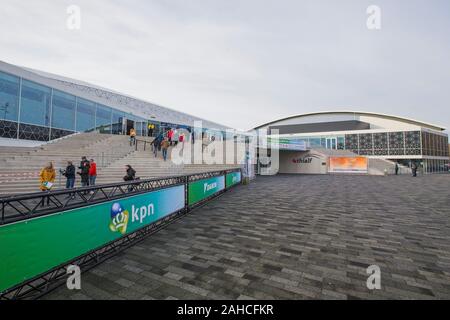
{"type": "Point", "coordinates": [331, 143]}
{"type": "Point", "coordinates": [129, 124]}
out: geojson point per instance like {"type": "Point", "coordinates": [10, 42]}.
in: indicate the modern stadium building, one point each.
{"type": "Point", "coordinates": [370, 135]}
{"type": "Point", "coordinates": [36, 106]}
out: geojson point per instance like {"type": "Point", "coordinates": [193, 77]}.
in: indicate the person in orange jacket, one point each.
{"type": "Point", "coordinates": [47, 179]}
{"type": "Point", "coordinates": [132, 137]}
{"type": "Point", "coordinates": [92, 173]}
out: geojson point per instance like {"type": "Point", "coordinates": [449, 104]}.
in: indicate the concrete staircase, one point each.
{"type": "Point", "coordinates": [19, 169]}
{"type": "Point", "coordinates": [378, 167]}
{"type": "Point", "coordinates": [147, 166]}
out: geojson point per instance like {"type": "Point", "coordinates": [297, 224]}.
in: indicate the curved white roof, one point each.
{"type": "Point", "coordinates": [359, 113]}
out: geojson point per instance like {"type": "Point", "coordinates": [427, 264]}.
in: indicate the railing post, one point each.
{"type": "Point", "coordinates": [186, 197]}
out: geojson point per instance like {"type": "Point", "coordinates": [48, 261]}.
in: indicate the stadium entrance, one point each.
{"type": "Point", "coordinates": [128, 125]}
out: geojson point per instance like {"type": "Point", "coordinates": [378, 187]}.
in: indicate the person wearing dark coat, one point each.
{"type": "Point", "coordinates": [156, 144]}
{"type": "Point", "coordinates": [69, 173]}
{"type": "Point", "coordinates": [84, 172]}
{"type": "Point", "coordinates": [414, 169]}
{"type": "Point", "coordinates": [131, 174]}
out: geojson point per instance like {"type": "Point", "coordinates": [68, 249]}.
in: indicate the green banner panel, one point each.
{"type": "Point", "coordinates": [32, 247]}
{"type": "Point", "coordinates": [202, 189]}
{"type": "Point", "coordinates": [233, 178]}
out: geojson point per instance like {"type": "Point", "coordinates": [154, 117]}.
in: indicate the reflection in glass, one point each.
{"type": "Point", "coordinates": [35, 104]}
{"type": "Point", "coordinates": [103, 118]}
{"type": "Point", "coordinates": [9, 97]}
{"type": "Point", "coordinates": [85, 115]}
{"type": "Point", "coordinates": [63, 111]}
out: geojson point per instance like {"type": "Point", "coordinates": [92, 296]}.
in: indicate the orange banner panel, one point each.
{"type": "Point", "coordinates": [348, 164]}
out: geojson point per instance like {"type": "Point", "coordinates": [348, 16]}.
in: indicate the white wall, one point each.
{"type": "Point", "coordinates": [312, 162]}
{"type": "Point", "coordinates": [4, 142]}
{"type": "Point", "coordinates": [383, 123]}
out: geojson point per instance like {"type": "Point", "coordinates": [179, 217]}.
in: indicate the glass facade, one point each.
{"type": "Point", "coordinates": [85, 115]}
{"type": "Point", "coordinates": [9, 97]}
{"type": "Point", "coordinates": [35, 104]}
{"type": "Point", "coordinates": [103, 118]}
{"type": "Point", "coordinates": [63, 111]}
{"type": "Point", "coordinates": [117, 121]}
{"type": "Point", "coordinates": [435, 166]}
{"type": "Point", "coordinates": [32, 111]}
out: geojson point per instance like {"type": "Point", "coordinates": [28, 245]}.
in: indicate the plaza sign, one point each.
{"type": "Point", "coordinates": [205, 188]}
{"type": "Point", "coordinates": [233, 178]}
{"type": "Point", "coordinates": [294, 144]}
{"type": "Point", "coordinates": [348, 164]}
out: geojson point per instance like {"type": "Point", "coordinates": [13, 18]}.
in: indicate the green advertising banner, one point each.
{"type": "Point", "coordinates": [233, 178]}
{"type": "Point", "coordinates": [202, 189]}
{"type": "Point", "coordinates": [32, 247]}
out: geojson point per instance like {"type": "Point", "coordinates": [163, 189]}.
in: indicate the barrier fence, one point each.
{"type": "Point", "coordinates": [86, 226]}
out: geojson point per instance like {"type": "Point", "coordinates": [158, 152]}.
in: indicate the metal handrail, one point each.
{"type": "Point", "coordinates": [26, 206]}
{"type": "Point", "coordinates": [42, 283]}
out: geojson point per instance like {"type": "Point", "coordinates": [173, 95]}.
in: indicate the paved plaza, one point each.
{"type": "Point", "coordinates": [293, 237]}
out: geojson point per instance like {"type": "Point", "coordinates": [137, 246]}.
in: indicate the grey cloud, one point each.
{"type": "Point", "coordinates": [242, 63]}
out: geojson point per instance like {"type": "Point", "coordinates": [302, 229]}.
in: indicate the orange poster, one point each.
{"type": "Point", "coordinates": [348, 164]}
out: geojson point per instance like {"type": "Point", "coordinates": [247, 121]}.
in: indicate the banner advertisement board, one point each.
{"type": "Point", "coordinates": [348, 164]}
{"type": "Point", "coordinates": [294, 144]}
{"type": "Point", "coordinates": [202, 189]}
{"type": "Point", "coordinates": [31, 247]}
{"type": "Point", "coordinates": [233, 178]}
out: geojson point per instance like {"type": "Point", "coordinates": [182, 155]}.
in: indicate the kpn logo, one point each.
{"type": "Point", "coordinates": [119, 219]}
{"type": "Point", "coordinates": [209, 186]}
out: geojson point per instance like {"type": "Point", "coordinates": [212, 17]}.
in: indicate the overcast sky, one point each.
{"type": "Point", "coordinates": [245, 62]}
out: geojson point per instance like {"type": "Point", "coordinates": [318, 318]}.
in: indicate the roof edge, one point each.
{"type": "Point", "coordinates": [380, 115]}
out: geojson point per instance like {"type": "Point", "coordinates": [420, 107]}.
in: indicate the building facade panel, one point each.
{"type": "Point", "coordinates": [35, 105]}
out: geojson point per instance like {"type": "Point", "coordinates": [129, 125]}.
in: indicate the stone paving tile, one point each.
{"type": "Point", "coordinates": [293, 237]}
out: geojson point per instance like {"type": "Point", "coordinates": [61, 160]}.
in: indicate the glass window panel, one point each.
{"type": "Point", "coordinates": [103, 118]}
{"type": "Point", "coordinates": [340, 143]}
{"type": "Point", "coordinates": [35, 104]}
{"type": "Point", "coordinates": [138, 127]}
{"type": "Point", "coordinates": [85, 115]}
{"type": "Point", "coordinates": [117, 121]}
{"type": "Point", "coordinates": [314, 142]}
{"type": "Point", "coordinates": [9, 97]}
{"type": "Point", "coordinates": [63, 110]}
{"type": "Point", "coordinates": [117, 117]}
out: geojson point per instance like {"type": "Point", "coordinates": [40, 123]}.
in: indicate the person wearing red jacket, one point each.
{"type": "Point", "coordinates": [170, 135]}
{"type": "Point", "coordinates": [92, 173]}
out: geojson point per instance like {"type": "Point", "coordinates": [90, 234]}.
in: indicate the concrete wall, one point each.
{"type": "Point", "coordinates": [4, 142]}
{"type": "Point", "coordinates": [304, 162]}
